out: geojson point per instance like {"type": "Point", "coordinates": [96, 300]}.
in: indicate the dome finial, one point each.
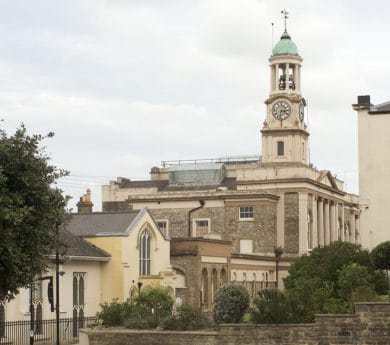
{"type": "Point", "coordinates": [285, 15]}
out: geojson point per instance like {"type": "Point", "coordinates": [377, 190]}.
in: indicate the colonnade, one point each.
{"type": "Point", "coordinates": [327, 222]}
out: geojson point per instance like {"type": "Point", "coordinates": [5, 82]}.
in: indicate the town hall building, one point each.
{"type": "Point", "coordinates": [225, 217]}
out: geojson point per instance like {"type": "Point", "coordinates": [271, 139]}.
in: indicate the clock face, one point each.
{"type": "Point", "coordinates": [281, 110]}
{"type": "Point", "coordinates": [301, 112]}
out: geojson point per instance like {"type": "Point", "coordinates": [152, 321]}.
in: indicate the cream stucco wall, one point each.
{"type": "Point", "coordinates": [121, 274]}
{"type": "Point", "coordinates": [374, 173]}
{"type": "Point", "coordinates": [18, 308]}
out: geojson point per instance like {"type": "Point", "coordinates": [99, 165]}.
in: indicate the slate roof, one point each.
{"type": "Point", "coordinates": [72, 245]}
{"type": "Point", "coordinates": [380, 108]}
{"type": "Point", "coordinates": [101, 223]}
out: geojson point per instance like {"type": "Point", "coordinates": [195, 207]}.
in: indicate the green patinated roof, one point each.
{"type": "Point", "coordinates": [285, 46]}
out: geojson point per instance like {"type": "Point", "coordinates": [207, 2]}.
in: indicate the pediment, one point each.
{"type": "Point", "coordinates": [327, 179]}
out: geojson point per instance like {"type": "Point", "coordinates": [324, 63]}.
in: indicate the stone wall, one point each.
{"type": "Point", "coordinates": [370, 325]}
{"type": "Point", "coordinates": [291, 222]}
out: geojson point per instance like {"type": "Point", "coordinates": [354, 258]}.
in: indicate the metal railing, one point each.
{"type": "Point", "coordinates": [18, 332]}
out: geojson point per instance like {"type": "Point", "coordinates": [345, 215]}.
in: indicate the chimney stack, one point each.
{"type": "Point", "coordinates": [85, 204]}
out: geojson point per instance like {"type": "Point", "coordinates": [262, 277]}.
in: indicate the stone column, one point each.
{"type": "Point", "coordinates": [342, 224]}
{"type": "Point", "coordinates": [332, 221]}
{"type": "Point", "coordinates": [320, 223]}
{"type": "Point", "coordinates": [315, 222]}
{"type": "Point", "coordinates": [276, 76]}
{"type": "Point", "coordinates": [326, 222]}
{"type": "Point", "coordinates": [353, 227]}
{"type": "Point", "coordinates": [287, 72]}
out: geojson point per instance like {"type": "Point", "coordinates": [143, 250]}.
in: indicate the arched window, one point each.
{"type": "Point", "coordinates": [223, 276]}
{"type": "Point", "coordinates": [2, 320]}
{"type": "Point", "coordinates": [78, 301]}
{"type": "Point", "coordinates": [144, 254]}
{"type": "Point", "coordinates": [214, 284]}
{"type": "Point", "coordinates": [254, 285]}
{"type": "Point", "coordinates": [204, 290]}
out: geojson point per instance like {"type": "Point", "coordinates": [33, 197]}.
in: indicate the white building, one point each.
{"type": "Point", "coordinates": [374, 170]}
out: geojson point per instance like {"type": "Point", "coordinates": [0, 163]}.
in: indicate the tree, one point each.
{"type": "Point", "coordinates": [314, 281]}
{"type": "Point", "coordinates": [230, 304]}
{"type": "Point", "coordinates": [30, 209]}
{"type": "Point", "coordinates": [354, 282]}
{"type": "Point", "coordinates": [380, 256]}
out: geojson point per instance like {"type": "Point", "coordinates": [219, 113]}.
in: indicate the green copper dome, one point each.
{"type": "Point", "coordinates": [285, 46]}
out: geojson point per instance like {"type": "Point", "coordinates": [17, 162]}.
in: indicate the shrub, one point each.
{"type": "Point", "coordinates": [272, 306]}
{"type": "Point", "coordinates": [140, 319]}
{"type": "Point", "coordinates": [230, 304]}
{"type": "Point", "coordinates": [186, 317]}
{"type": "Point", "coordinates": [114, 313]}
{"type": "Point", "coordinates": [154, 304]}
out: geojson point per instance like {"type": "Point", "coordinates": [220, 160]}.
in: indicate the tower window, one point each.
{"type": "Point", "coordinates": [280, 148]}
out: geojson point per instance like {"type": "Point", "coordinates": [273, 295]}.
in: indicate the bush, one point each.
{"type": "Point", "coordinates": [186, 317]}
{"type": "Point", "coordinates": [140, 319]}
{"type": "Point", "coordinates": [154, 304]}
{"type": "Point", "coordinates": [272, 306]}
{"type": "Point", "coordinates": [230, 304]}
{"type": "Point", "coordinates": [114, 313]}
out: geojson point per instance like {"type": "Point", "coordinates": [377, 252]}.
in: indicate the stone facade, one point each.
{"type": "Point", "coordinates": [370, 325]}
{"type": "Point", "coordinates": [278, 199]}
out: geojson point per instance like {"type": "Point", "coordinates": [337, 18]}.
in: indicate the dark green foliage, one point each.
{"type": "Point", "coordinates": [155, 304]}
{"type": "Point", "coordinates": [380, 256]}
{"type": "Point", "coordinates": [186, 318]}
{"type": "Point", "coordinates": [147, 310]}
{"type": "Point", "coordinates": [272, 306]}
{"type": "Point", "coordinates": [230, 304]}
{"type": "Point", "coordinates": [30, 209]}
{"type": "Point", "coordinates": [114, 313]}
{"type": "Point", "coordinates": [320, 283]}
{"type": "Point", "coordinates": [351, 277]}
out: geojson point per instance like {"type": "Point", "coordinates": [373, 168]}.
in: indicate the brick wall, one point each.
{"type": "Point", "coordinates": [370, 325]}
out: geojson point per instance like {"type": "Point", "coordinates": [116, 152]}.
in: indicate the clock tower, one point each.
{"type": "Point", "coordinates": [284, 135]}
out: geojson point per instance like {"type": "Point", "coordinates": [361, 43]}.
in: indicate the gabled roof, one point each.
{"type": "Point", "coordinates": [74, 246]}
{"type": "Point", "coordinates": [103, 223]}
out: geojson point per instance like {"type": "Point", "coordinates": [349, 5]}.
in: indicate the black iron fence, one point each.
{"type": "Point", "coordinates": [18, 332]}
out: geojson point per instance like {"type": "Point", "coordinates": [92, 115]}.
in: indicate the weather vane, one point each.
{"type": "Point", "coordinates": [285, 15]}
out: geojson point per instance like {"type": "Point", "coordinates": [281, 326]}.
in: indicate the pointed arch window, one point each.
{"type": "Point", "coordinates": [144, 254]}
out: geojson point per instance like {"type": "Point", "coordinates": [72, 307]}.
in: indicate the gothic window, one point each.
{"type": "Point", "coordinates": [2, 320]}
{"type": "Point", "coordinates": [223, 276]}
{"type": "Point", "coordinates": [214, 284]}
{"type": "Point", "coordinates": [78, 301]}
{"type": "Point", "coordinates": [254, 285]}
{"type": "Point", "coordinates": [204, 292]}
{"type": "Point", "coordinates": [246, 213]}
{"type": "Point", "coordinates": [37, 300]}
{"type": "Point", "coordinates": [144, 254]}
{"type": "Point", "coordinates": [280, 148]}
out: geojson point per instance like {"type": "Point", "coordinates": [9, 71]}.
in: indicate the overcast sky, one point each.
{"type": "Point", "coordinates": [125, 84]}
